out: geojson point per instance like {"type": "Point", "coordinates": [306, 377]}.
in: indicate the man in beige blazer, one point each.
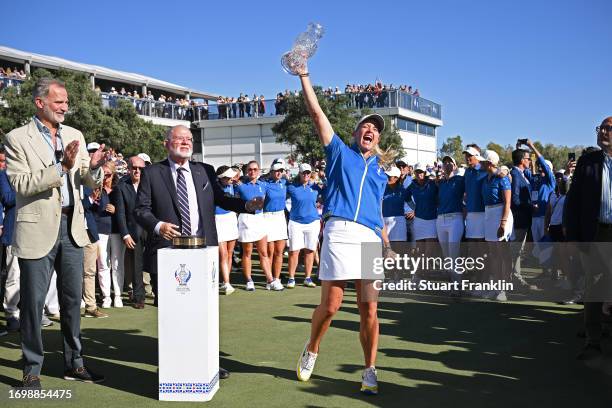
{"type": "Point", "coordinates": [47, 164]}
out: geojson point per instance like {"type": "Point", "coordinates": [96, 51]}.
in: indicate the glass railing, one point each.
{"type": "Point", "coordinates": [7, 82]}
{"type": "Point", "coordinates": [269, 107]}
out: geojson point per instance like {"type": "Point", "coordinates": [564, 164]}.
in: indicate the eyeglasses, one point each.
{"type": "Point", "coordinates": [253, 169]}
{"type": "Point", "coordinates": [603, 129]}
{"type": "Point", "coordinates": [137, 168]}
{"type": "Point", "coordinates": [182, 139]}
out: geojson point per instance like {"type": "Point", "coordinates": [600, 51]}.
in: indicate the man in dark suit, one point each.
{"type": "Point", "coordinates": [178, 197]}
{"type": "Point", "coordinates": [587, 218]}
{"type": "Point", "coordinates": [522, 205]}
{"type": "Point", "coordinates": [123, 198]}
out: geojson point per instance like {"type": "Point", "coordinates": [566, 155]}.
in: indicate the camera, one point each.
{"type": "Point", "coordinates": [522, 141]}
{"type": "Point", "coordinates": [571, 156]}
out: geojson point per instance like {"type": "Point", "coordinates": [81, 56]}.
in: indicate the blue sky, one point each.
{"type": "Point", "coordinates": [500, 69]}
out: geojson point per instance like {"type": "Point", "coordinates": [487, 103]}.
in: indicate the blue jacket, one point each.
{"type": "Point", "coordinates": [92, 227]}
{"type": "Point", "coordinates": [7, 198]}
{"type": "Point", "coordinates": [521, 205]}
{"type": "Point", "coordinates": [546, 186]}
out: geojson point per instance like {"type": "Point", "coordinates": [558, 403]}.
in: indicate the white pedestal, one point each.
{"type": "Point", "coordinates": [188, 323]}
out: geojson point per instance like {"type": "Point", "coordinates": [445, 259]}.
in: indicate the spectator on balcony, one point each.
{"type": "Point", "coordinates": [122, 91]}
{"type": "Point", "coordinates": [262, 105]}
{"type": "Point", "coordinates": [113, 91]}
{"type": "Point", "coordinates": [247, 105]}
{"type": "Point", "coordinates": [255, 105]}
{"type": "Point", "coordinates": [416, 93]}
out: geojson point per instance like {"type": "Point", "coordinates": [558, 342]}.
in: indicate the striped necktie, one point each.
{"type": "Point", "coordinates": [183, 201]}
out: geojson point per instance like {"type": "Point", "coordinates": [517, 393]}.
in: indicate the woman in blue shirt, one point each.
{"type": "Point", "coordinates": [304, 223]}
{"type": "Point", "coordinates": [274, 216]}
{"type": "Point", "coordinates": [252, 230]}
{"type": "Point", "coordinates": [227, 229]}
{"type": "Point", "coordinates": [496, 194]}
{"type": "Point", "coordinates": [353, 214]}
{"type": "Point", "coordinates": [393, 206]}
{"type": "Point", "coordinates": [424, 193]}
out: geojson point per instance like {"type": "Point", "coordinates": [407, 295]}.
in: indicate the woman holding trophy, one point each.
{"type": "Point", "coordinates": [355, 187]}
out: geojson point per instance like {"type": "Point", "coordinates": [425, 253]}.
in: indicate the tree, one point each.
{"type": "Point", "coordinates": [297, 129]}
{"type": "Point", "coordinates": [453, 147]}
{"type": "Point", "coordinates": [120, 128]}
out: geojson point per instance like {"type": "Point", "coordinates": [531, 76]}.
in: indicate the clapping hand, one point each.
{"type": "Point", "coordinates": [254, 204]}
{"type": "Point", "coordinates": [70, 154]}
{"type": "Point", "coordinates": [99, 157]}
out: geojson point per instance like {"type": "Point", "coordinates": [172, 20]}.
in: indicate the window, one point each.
{"type": "Point", "coordinates": [408, 125]}
{"type": "Point", "coordinates": [427, 129]}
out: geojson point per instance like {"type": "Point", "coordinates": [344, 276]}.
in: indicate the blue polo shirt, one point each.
{"type": "Point", "coordinates": [303, 202]}
{"type": "Point", "coordinates": [450, 195]}
{"type": "Point", "coordinates": [545, 187]}
{"type": "Point", "coordinates": [228, 190]}
{"type": "Point", "coordinates": [474, 178]}
{"type": "Point", "coordinates": [355, 185]}
{"type": "Point", "coordinates": [248, 191]}
{"type": "Point", "coordinates": [276, 194]}
{"type": "Point", "coordinates": [425, 199]}
{"type": "Point", "coordinates": [493, 188]}
{"type": "Point", "coordinates": [393, 201]}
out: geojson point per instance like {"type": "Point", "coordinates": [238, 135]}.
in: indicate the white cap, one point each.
{"type": "Point", "coordinates": [451, 158]}
{"type": "Point", "coordinates": [305, 167]}
{"type": "Point", "coordinates": [279, 160]}
{"type": "Point", "coordinates": [380, 122]}
{"type": "Point", "coordinates": [491, 156]}
{"type": "Point", "coordinates": [277, 166]}
{"type": "Point", "coordinates": [473, 152]}
{"type": "Point", "coordinates": [393, 172]}
{"type": "Point", "coordinates": [228, 173]}
{"type": "Point", "coordinates": [93, 146]}
{"type": "Point", "coordinates": [420, 167]}
{"type": "Point", "coordinates": [145, 157]}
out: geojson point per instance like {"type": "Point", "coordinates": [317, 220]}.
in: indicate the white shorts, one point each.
{"type": "Point", "coordinates": [251, 227]}
{"type": "Point", "coordinates": [227, 226]}
{"type": "Point", "coordinates": [493, 214]}
{"type": "Point", "coordinates": [475, 225]}
{"type": "Point", "coordinates": [304, 235]}
{"type": "Point", "coordinates": [424, 229]}
{"type": "Point", "coordinates": [276, 225]}
{"type": "Point", "coordinates": [396, 228]}
{"type": "Point", "coordinates": [341, 250]}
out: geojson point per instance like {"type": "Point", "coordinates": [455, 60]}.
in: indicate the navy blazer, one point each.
{"type": "Point", "coordinates": [583, 201]}
{"type": "Point", "coordinates": [157, 201]}
{"type": "Point", "coordinates": [88, 207]}
{"type": "Point", "coordinates": [521, 206]}
{"type": "Point", "coordinates": [7, 199]}
{"type": "Point", "coordinates": [123, 197]}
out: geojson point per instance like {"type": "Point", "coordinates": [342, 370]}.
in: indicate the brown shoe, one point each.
{"type": "Point", "coordinates": [96, 313]}
{"type": "Point", "coordinates": [138, 305]}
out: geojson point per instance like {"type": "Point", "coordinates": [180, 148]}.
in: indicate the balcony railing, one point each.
{"type": "Point", "coordinates": [268, 107]}
{"type": "Point", "coordinates": [7, 82]}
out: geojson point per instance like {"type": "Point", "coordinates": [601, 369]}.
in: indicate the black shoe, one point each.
{"type": "Point", "coordinates": [12, 324]}
{"type": "Point", "coordinates": [31, 381]}
{"type": "Point", "coordinates": [223, 373]}
{"type": "Point", "coordinates": [83, 374]}
{"type": "Point", "coordinates": [589, 352]}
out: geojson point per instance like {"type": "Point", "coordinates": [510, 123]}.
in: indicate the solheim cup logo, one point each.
{"type": "Point", "coordinates": [304, 47]}
{"type": "Point", "coordinates": [182, 276]}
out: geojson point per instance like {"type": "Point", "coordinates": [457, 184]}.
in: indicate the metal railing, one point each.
{"type": "Point", "coordinates": [269, 107]}
{"type": "Point", "coordinates": [9, 82]}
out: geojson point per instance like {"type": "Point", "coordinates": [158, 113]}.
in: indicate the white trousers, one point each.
{"type": "Point", "coordinates": [117, 263]}
{"type": "Point", "coordinates": [11, 289]}
{"type": "Point", "coordinates": [450, 230]}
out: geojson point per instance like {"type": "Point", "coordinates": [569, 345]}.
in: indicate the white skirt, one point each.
{"type": "Point", "coordinates": [475, 225]}
{"type": "Point", "coordinates": [396, 228]}
{"type": "Point", "coordinates": [304, 235]}
{"type": "Point", "coordinates": [251, 227]}
{"type": "Point", "coordinates": [227, 226]}
{"type": "Point", "coordinates": [276, 225]}
{"type": "Point", "coordinates": [341, 255]}
{"type": "Point", "coordinates": [424, 229]}
{"type": "Point", "coordinates": [493, 215]}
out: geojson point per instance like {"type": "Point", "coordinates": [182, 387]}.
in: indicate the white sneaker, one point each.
{"type": "Point", "coordinates": [369, 381]}
{"type": "Point", "coordinates": [82, 304]}
{"type": "Point", "coordinates": [250, 286]}
{"type": "Point", "coordinates": [501, 296]}
{"type": "Point", "coordinates": [226, 289]}
{"type": "Point", "coordinates": [291, 283]}
{"type": "Point", "coordinates": [118, 302]}
{"type": "Point", "coordinates": [275, 285]}
{"type": "Point", "coordinates": [106, 303]}
{"type": "Point", "coordinates": [306, 363]}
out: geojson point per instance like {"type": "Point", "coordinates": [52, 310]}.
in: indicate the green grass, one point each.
{"type": "Point", "coordinates": [433, 352]}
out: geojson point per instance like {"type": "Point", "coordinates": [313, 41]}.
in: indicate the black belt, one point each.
{"type": "Point", "coordinates": [67, 210]}
{"type": "Point", "coordinates": [605, 226]}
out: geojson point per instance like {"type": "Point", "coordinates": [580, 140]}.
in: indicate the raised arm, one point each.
{"type": "Point", "coordinates": [324, 128]}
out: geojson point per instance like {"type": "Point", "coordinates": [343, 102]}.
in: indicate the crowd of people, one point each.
{"type": "Point", "coordinates": [11, 77]}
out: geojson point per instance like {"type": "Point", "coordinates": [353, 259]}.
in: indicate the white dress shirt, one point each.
{"type": "Point", "coordinates": [194, 213]}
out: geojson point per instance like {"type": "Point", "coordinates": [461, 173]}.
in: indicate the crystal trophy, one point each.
{"type": "Point", "coordinates": [304, 47]}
